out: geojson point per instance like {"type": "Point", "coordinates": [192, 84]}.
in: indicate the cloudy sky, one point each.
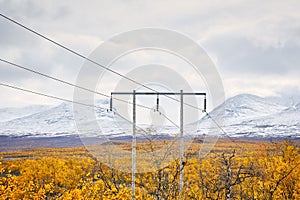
{"type": "Point", "coordinates": [255, 45]}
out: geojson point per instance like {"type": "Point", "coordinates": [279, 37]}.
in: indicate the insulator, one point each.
{"type": "Point", "coordinates": [204, 104]}
{"type": "Point", "coordinates": [157, 102]}
{"type": "Point", "coordinates": [110, 105]}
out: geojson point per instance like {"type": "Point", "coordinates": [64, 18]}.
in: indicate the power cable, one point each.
{"type": "Point", "coordinates": [89, 90]}
{"type": "Point", "coordinates": [99, 107]}
{"type": "Point", "coordinates": [79, 103]}
{"type": "Point", "coordinates": [67, 100]}
{"type": "Point", "coordinates": [102, 66]}
{"type": "Point", "coordinates": [67, 83]}
{"type": "Point", "coordinates": [90, 60]}
{"type": "Point", "coordinates": [224, 132]}
{"type": "Point", "coordinates": [50, 96]}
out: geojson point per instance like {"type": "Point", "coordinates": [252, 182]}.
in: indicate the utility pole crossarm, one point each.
{"type": "Point", "coordinates": [159, 93]}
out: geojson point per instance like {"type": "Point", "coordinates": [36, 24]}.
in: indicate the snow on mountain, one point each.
{"type": "Point", "coordinates": [252, 116]}
{"type": "Point", "coordinates": [60, 121]}
{"type": "Point", "coordinates": [245, 116]}
{"type": "Point", "coordinates": [246, 106]}
{"type": "Point", "coordinates": [284, 123]}
{"type": "Point", "coordinates": [55, 120]}
{"type": "Point", "coordinates": [288, 117]}
{"type": "Point", "coordinates": [7, 114]}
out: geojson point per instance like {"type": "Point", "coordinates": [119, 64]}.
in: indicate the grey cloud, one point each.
{"type": "Point", "coordinates": [288, 96]}
{"type": "Point", "coordinates": [36, 10]}
{"type": "Point", "coordinates": [12, 35]}
{"type": "Point", "coordinates": [8, 74]}
{"type": "Point", "coordinates": [241, 55]}
{"type": "Point", "coordinates": [289, 92]}
{"type": "Point", "coordinates": [48, 60]}
{"type": "Point", "coordinates": [238, 33]}
{"type": "Point", "coordinates": [26, 8]}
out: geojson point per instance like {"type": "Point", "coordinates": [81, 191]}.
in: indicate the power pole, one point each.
{"type": "Point", "coordinates": [181, 137]}
{"type": "Point", "coordinates": [133, 146]}
{"type": "Point", "coordinates": [181, 150]}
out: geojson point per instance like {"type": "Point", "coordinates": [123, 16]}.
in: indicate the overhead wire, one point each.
{"type": "Point", "coordinates": [65, 100]}
{"type": "Point", "coordinates": [67, 83]}
{"type": "Point", "coordinates": [74, 85]}
{"type": "Point", "coordinates": [224, 132]}
{"type": "Point", "coordinates": [99, 107]}
{"type": "Point", "coordinates": [141, 130]}
{"type": "Point", "coordinates": [88, 59]}
{"type": "Point", "coordinates": [97, 64]}
{"type": "Point", "coordinates": [71, 101]}
{"type": "Point", "coordinates": [50, 96]}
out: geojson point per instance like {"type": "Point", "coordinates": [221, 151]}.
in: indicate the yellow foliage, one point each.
{"type": "Point", "coordinates": [262, 171]}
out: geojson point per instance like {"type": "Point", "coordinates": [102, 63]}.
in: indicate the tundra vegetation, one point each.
{"type": "Point", "coordinates": [250, 170]}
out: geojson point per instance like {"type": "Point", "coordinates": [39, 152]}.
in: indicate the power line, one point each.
{"type": "Point", "coordinates": [64, 99]}
{"type": "Point", "coordinates": [74, 85]}
{"type": "Point", "coordinates": [224, 132]}
{"type": "Point", "coordinates": [51, 96]}
{"type": "Point", "coordinates": [165, 116]}
{"type": "Point", "coordinates": [100, 65]}
{"type": "Point", "coordinates": [67, 83]}
{"type": "Point", "coordinates": [90, 60]}
{"type": "Point", "coordinates": [71, 101]}
{"type": "Point", "coordinates": [99, 107]}
{"type": "Point", "coordinates": [89, 90]}
{"type": "Point", "coordinates": [79, 103]}
{"type": "Point", "coordinates": [215, 122]}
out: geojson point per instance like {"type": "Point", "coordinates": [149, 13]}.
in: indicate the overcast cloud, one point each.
{"type": "Point", "coordinates": [254, 44]}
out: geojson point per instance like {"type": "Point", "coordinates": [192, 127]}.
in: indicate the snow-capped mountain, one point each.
{"type": "Point", "coordinates": [245, 115]}
{"type": "Point", "coordinates": [54, 120]}
{"type": "Point", "coordinates": [60, 121]}
{"type": "Point", "coordinates": [283, 123]}
{"type": "Point", "coordinates": [245, 106]}
{"type": "Point", "coordinates": [248, 115]}
{"type": "Point", "coordinates": [7, 114]}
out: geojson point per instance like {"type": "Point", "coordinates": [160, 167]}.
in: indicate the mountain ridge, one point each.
{"type": "Point", "coordinates": [245, 115]}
